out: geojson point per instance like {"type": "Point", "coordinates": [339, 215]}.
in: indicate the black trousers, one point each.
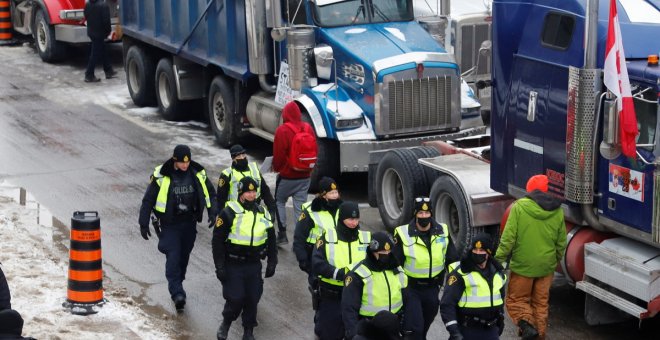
{"type": "Point", "coordinates": [176, 242]}
{"type": "Point", "coordinates": [479, 333]}
{"type": "Point", "coordinates": [420, 309]}
{"type": "Point", "coordinates": [242, 291]}
{"type": "Point", "coordinates": [329, 324]}
{"type": "Point", "coordinates": [97, 55]}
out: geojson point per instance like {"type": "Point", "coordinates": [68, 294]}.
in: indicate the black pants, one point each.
{"type": "Point", "coordinates": [176, 242]}
{"type": "Point", "coordinates": [420, 309]}
{"type": "Point", "coordinates": [329, 324]}
{"type": "Point", "coordinates": [479, 333]}
{"type": "Point", "coordinates": [242, 291]}
{"type": "Point", "coordinates": [96, 56]}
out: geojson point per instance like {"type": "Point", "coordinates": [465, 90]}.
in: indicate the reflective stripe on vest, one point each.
{"type": "Point", "coordinates": [323, 220]}
{"type": "Point", "coordinates": [417, 260]}
{"type": "Point", "coordinates": [164, 184]}
{"type": "Point", "coordinates": [381, 291]}
{"type": "Point", "coordinates": [477, 292]}
{"type": "Point", "coordinates": [248, 229]}
{"type": "Point", "coordinates": [342, 254]}
{"type": "Point", "coordinates": [235, 176]}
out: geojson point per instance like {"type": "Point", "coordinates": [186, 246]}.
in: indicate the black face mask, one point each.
{"type": "Point", "coordinates": [333, 203]}
{"type": "Point", "coordinates": [478, 258]}
{"type": "Point", "coordinates": [249, 205]}
{"type": "Point", "coordinates": [423, 222]}
{"type": "Point", "coordinates": [241, 164]}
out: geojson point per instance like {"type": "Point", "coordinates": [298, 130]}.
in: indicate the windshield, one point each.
{"type": "Point", "coordinates": [331, 13]}
{"type": "Point", "coordinates": [641, 11]}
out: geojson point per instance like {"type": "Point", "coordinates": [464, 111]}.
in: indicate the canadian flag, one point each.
{"type": "Point", "coordinates": [616, 80]}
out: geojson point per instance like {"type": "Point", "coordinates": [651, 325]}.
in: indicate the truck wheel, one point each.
{"type": "Point", "coordinates": [399, 179]}
{"type": "Point", "coordinates": [429, 174]}
{"type": "Point", "coordinates": [140, 75]}
{"type": "Point", "coordinates": [450, 207]}
{"type": "Point", "coordinates": [224, 122]}
{"type": "Point", "coordinates": [49, 49]}
{"type": "Point", "coordinates": [327, 163]}
{"type": "Point", "coordinates": [169, 105]}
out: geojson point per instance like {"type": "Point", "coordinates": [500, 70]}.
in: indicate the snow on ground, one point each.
{"type": "Point", "coordinates": [37, 275]}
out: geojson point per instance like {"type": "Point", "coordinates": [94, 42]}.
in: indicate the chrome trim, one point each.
{"type": "Point", "coordinates": [528, 146]}
{"type": "Point", "coordinates": [72, 14]}
{"type": "Point", "coordinates": [413, 57]}
{"type": "Point", "coordinates": [314, 115]}
{"type": "Point", "coordinates": [255, 22]}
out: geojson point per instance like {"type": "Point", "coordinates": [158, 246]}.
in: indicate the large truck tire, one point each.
{"type": "Point", "coordinates": [399, 179]}
{"type": "Point", "coordinates": [327, 163]}
{"type": "Point", "coordinates": [450, 207]}
{"type": "Point", "coordinates": [140, 74]}
{"type": "Point", "coordinates": [222, 117]}
{"type": "Point", "coordinates": [430, 174]}
{"type": "Point", "coordinates": [49, 49]}
{"type": "Point", "coordinates": [169, 105]}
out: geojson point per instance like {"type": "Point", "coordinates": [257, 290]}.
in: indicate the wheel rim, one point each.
{"type": "Point", "coordinates": [164, 90]}
{"type": "Point", "coordinates": [392, 193]}
{"type": "Point", "coordinates": [446, 212]}
{"type": "Point", "coordinates": [42, 37]}
{"type": "Point", "coordinates": [218, 110]}
{"type": "Point", "coordinates": [133, 76]}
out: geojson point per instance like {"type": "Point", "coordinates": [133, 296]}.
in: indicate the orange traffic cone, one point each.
{"type": "Point", "coordinates": [6, 32]}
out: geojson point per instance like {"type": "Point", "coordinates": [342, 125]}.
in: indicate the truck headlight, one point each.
{"type": "Point", "coordinates": [72, 14]}
{"type": "Point", "coordinates": [349, 123]}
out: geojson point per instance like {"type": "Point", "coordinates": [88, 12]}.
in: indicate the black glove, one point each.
{"type": "Point", "coordinates": [221, 273]}
{"type": "Point", "coordinates": [144, 230]}
{"type": "Point", "coordinates": [212, 220]}
{"type": "Point", "coordinates": [455, 333]}
{"type": "Point", "coordinates": [304, 266]}
{"type": "Point", "coordinates": [500, 324]}
{"type": "Point", "coordinates": [270, 269]}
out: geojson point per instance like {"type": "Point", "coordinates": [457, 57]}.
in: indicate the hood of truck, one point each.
{"type": "Point", "coordinates": [640, 72]}
{"type": "Point", "coordinates": [372, 42]}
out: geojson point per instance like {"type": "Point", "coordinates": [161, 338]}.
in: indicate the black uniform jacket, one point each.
{"type": "Point", "coordinates": [97, 14]}
{"type": "Point", "coordinates": [266, 195]}
{"type": "Point", "coordinates": [301, 248]}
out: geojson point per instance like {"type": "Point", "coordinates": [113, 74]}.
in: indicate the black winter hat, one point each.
{"type": "Point", "coordinates": [327, 184]}
{"type": "Point", "coordinates": [422, 204]}
{"type": "Point", "coordinates": [348, 210]}
{"type": "Point", "coordinates": [13, 322]}
{"type": "Point", "coordinates": [236, 150]}
{"type": "Point", "coordinates": [246, 184]}
{"type": "Point", "coordinates": [482, 241]}
{"type": "Point", "coordinates": [380, 241]}
{"type": "Point", "coordinates": [181, 153]}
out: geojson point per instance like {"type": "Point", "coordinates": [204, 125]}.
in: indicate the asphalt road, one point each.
{"type": "Point", "coordinates": [78, 146]}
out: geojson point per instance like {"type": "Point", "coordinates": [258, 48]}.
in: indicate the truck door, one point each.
{"type": "Point", "coordinates": [540, 73]}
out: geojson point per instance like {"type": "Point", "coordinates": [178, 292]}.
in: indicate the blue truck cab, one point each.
{"type": "Point", "coordinates": [366, 74]}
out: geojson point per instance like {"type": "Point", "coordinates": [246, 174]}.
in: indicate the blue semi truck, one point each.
{"type": "Point", "coordinates": [366, 74]}
{"type": "Point", "coordinates": [552, 115]}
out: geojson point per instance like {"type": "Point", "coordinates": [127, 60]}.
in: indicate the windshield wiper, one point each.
{"type": "Point", "coordinates": [379, 12]}
{"type": "Point", "coordinates": [355, 17]}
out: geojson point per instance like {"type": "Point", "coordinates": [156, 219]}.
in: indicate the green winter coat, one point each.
{"type": "Point", "coordinates": [534, 236]}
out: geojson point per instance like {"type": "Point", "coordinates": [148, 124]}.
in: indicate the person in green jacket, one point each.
{"type": "Point", "coordinates": [533, 243]}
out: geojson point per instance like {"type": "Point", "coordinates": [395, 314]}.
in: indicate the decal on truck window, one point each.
{"type": "Point", "coordinates": [626, 182]}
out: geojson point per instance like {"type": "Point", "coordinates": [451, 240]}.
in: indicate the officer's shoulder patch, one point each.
{"type": "Point", "coordinates": [218, 222]}
{"type": "Point", "coordinates": [221, 182]}
{"type": "Point", "coordinates": [319, 243]}
{"type": "Point", "coordinates": [347, 281]}
{"type": "Point", "coordinates": [302, 216]}
{"type": "Point", "coordinates": [451, 280]}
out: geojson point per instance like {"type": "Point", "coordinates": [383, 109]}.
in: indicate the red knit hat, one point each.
{"type": "Point", "coordinates": [538, 182]}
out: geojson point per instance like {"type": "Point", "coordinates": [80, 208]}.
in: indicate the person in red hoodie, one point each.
{"type": "Point", "coordinates": [290, 182]}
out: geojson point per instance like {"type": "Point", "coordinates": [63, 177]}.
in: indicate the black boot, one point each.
{"type": "Point", "coordinates": [223, 331]}
{"type": "Point", "coordinates": [527, 331]}
{"type": "Point", "coordinates": [247, 333]}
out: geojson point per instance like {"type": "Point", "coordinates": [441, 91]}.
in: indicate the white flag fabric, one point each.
{"type": "Point", "coordinates": [616, 80]}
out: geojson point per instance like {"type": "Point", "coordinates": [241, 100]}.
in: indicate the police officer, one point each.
{"type": "Point", "coordinates": [336, 250]}
{"type": "Point", "coordinates": [178, 193]}
{"type": "Point", "coordinates": [242, 236]}
{"type": "Point", "coordinates": [375, 284]}
{"type": "Point", "coordinates": [317, 216]}
{"type": "Point", "coordinates": [241, 167]}
{"type": "Point", "coordinates": [472, 303]}
{"type": "Point", "coordinates": [424, 247]}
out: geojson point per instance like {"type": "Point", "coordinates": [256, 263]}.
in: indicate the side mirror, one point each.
{"type": "Point", "coordinates": [486, 48]}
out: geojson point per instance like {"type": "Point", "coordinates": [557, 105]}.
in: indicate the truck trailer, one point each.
{"type": "Point", "coordinates": [366, 74]}
{"type": "Point", "coordinates": [552, 115]}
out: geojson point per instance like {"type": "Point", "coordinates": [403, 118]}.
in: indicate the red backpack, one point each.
{"type": "Point", "coordinates": [302, 151]}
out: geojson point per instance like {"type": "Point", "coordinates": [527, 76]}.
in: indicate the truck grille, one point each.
{"type": "Point", "coordinates": [411, 105]}
{"type": "Point", "coordinates": [472, 35]}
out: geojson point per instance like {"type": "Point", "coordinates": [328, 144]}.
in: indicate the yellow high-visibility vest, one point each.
{"type": "Point", "coordinates": [342, 254]}
{"type": "Point", "coordinates": [235, 176]}
{"type": "Point", "coordinates": [421, 261]}
{"type": "Point", "coordinates": [249, 228]}
{"type": "Point", "coordinates": [381, 290]}
{"type": "Point", "coordinates": [164, 184]}
{"type": "Point", "coordinates": [323, 220]}
{"type": "Point", "coordinates": [477, 292]}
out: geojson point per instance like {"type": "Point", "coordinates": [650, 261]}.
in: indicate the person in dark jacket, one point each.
{"type": "Point", "coordinates": [178, 193]}
{"type": "Point", "coordinates": [5, 296]}
{"type": "Point", "coordinates": [384, 326]}
{"type": "Point", "coordinates": [97, 15]}
{"type": "Point", "coordinates": [11, 325]}
{"type": "Point", "coordinates": [289, 182]}
{"type": "Point", "coordinates": [242, 236]}
{"type": "Point", "coordinates": [472, 304]}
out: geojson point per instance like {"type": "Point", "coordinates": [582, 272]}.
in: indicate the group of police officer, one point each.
{"type": "Point", "coordinates": [364, 285]}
